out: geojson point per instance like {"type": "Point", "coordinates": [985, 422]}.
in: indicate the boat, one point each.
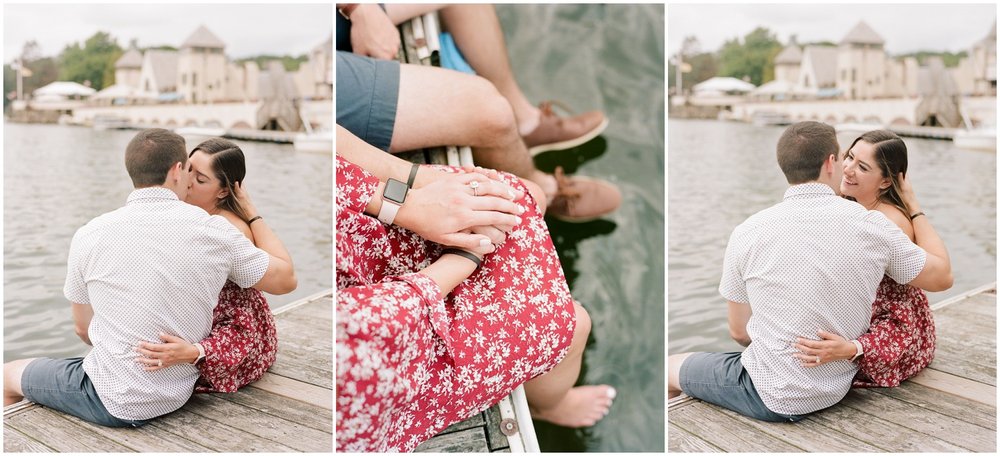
{"type": "Point", "coordinates": [976, 139]}
{"type": "Point", "coordinates": [105, 122]}
{"type": "Point", "coordinates": [317, 141]}
{"type": "Point", "coordinates": [199, 134]}
{"type": "Point", "coordinates": [762, 118]}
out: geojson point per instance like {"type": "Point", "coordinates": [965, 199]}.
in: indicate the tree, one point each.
{"type": "Point", "coordinates": [290, 63]}
{"type": "Point", "coordinates": [753, 59]}
{"type": "Point", "coordinates": [94, 62]}
{"type": "Point", "coordinates": [704, 65]}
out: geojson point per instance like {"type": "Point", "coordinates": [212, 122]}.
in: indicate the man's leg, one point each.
{"type": "Point", "coordinates": [674, 374]}
{"type": "Point", "coordinates": [552, 397]}
{"type": "Point", "coordinates": [438, 106]}
{"type": "Point", "coordinates": [12, 373]}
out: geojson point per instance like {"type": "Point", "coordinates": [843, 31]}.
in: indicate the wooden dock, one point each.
{"type": "Point", "coordinates": [949, 407]}
{"type": "Point", "coordinates": [290, 409]}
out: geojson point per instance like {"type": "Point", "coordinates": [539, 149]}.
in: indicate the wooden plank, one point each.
{"type": "Point", "coordinates": [879, 432]}
{"type": "Point", "coordinates": [16, 442]}
{"type": "Point", "coordinates": [948, 358]}
{"type": "Point", "coordinates": [923, 421]}
{"type": "Point", "coordinates": [969, 389]}
{"type": "Point", "coordinates": [730, 435]}
{"type": "Point", "coordinates": [266, 402]}
{"type": "Point", "coordinates": [467, 441]}
{"type": "Point", "coordinates": [314, 338]}
{"type": "Point", "coordinates": [476, 420]}
{"type": "Point", "coordinates": [143, 439]}
{"type": "Point", "coordinates": [320, 308]}
{"type": "Point", "coordinates": [304, 371]}
{"type": "Point", "coordinates": [294, 389]}
{"type": "Point", "coordinates": [217, 436]}
{"type": "Point", "coordinates": [294, 322]}
{"type": "Point", "coordinates": [980, 304]}
{"type": "Point", "coordinates": [264, 425]}
{"type": "Point", "coordinates": [495, 439]}
{"type": "Point", "coordinates": [61, 434]}
{"type": "Point", "coordinates": [954, 406]}
{"type": "Point", "coordinates": [681, 441]}
{"type": "Point", "coordinates": [806, 434]}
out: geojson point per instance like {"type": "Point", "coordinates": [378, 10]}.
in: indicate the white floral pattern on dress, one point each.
{"type": "Point", "coordinates": [900, 341]}
{"type": "Point", "coordinates": [243, 343]}
{"type": "Point", "coordinates": [410, 364]}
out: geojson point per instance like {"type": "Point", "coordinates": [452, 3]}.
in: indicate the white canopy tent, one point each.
{"type": "Point", "coordinates": [65, 89]}
{"type": "Point", "coordinates": [723, 84]}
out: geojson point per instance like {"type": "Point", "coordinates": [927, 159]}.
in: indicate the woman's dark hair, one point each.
{"type": "Point", "coordinates": [890, 154]}
{"type": "Point", "coordinates": [229, 167]}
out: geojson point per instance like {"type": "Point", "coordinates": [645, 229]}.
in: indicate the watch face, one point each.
{"type": "Point", "coordinates": [395, 191]}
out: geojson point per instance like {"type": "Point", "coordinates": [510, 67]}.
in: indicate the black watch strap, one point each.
{"type": "Point", "coordinates": [413, 175]}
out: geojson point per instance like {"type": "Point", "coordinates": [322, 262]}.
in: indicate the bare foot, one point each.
{"type": "Point", "coordinates": [583, 406]}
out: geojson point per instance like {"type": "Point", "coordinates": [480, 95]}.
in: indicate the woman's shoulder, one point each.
{"type": "Point", "coordinates": [238, 223]}
{"type": "Point", "coordinates": [898, 217]}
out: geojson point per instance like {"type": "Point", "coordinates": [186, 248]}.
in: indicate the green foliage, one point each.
{"type": "Point", "coordinates": [703, 66]}
{"type": "Point", "coordinates": [950, 59]}
{"type": "Point", "coordinates": [290, 63]}
{"type": "Point", "coordinates": [93, 62]}
{"type": "Point", "coordinates": [162, 47]}
{"type": "Point", "coordinates": [752, 59]}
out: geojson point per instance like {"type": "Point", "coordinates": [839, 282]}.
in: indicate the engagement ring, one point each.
{"type": "Point", "coordinates": [817, 360]}
{"type": "Point", "coordinates": [475, 187]}
{"type": "Point", "coordinates": [159, 362]}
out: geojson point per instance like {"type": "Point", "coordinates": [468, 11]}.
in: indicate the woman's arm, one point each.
{"type": "Point", "coordinates": [936, 275]}
{"type": "Point", "coordinates": [280, 276]}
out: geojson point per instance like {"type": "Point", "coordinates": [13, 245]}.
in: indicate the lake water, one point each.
{"type": "Point", "coordinates": [57, 178]}
{"type": "Point", "coordinates": [608, 57]}
{"type": "Point", "coordinates": [720, 173]}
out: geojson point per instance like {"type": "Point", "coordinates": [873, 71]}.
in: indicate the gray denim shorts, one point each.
{"type": "Point", "coordinates": [367, 97]}
{"type": "Point", "coordinates": [720, 379]}
{"type": "Point", "coordinates": [62, 384]}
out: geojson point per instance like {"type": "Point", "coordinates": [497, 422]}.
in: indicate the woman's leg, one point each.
{"type": "Point", "coordinates": [552, 396]}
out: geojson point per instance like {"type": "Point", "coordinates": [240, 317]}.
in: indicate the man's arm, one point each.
{"type": "Point", "coordinates": [82, 314]}
{"type": "Point", "coordinates": [739, 315]}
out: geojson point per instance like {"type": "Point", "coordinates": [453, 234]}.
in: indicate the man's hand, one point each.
{"type": "Point", "coordinates": [82, 314]}
{"type": "Point", "coordinates": [372, 33]}
{"type": "Point", "coordinates": [173, 351]}
{"type": "Point", "coordinates": [832, 347]}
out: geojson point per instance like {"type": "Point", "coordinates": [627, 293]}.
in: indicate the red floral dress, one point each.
{"type": "Point", "coordinates": [408, 363]}
{"type": "Point", "coordinates": [900, 341]}
{"type": "Point", "coordinates": [243, 342]}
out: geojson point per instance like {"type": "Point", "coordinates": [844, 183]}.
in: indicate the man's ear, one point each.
{"type": "Point", "coordinates": [831, 161]}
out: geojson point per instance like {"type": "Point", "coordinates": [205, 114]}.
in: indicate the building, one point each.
{"type": "Point", "coordinates": [818, 71]}
{"type": "Point", "coordinates": [128, 68]}
{"type": "Point", "coordinates": [788, 63]}
{"type": "Point", "coordinates": [159, 72]}
{"type": "Point", "coordinates": [199, 72]}
{"type": "Point", "coordinates": [861, 63]}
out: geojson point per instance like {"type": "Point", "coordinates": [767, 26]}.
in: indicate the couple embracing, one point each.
{"type": "Point", "coordinates": [167, 290]}
{"type": "Point", "coordinates": [824, 288]}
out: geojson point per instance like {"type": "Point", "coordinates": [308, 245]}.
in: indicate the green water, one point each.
{"type": "Point", "coordinates": [608, 57]}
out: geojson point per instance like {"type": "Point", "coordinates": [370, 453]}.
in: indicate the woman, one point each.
{"type": "Point", "coordinates": [900, 341]}
{"type": "Point", "coordinates": [243, 343]}
{"type": "Point", "coordinates": [428, 336]}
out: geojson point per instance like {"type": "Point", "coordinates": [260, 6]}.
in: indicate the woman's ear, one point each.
{"type": "Point", "coordinates": [886, 183]}
{"type": "Point", "coordinates": [223, 193]}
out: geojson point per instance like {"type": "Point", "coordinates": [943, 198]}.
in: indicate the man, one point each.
{"type": "Point", "coordinates": [154, 266]}
{"type": "Point", "coordinates": [404, 107]}
{"type": "Point", "coordinates": [813, 261]}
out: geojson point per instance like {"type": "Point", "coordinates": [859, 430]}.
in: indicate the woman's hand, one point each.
{"type": "Point", "coordinates": [243, 197]}
{"type": "Point", "coordinates": [446, 210]}
{"type": "Point", "coordinates": [372, 33]}
{"type": "Point", "coordinates": [814, 353]}
{"type": "Point", "coordinates": [907, 194]}
{"type": "Point", "coordinates": [173, 351]}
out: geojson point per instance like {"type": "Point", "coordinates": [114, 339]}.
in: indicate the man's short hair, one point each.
{"type": "Point", "coordinates": [803, 148]}
{"type": "Point", "coordinates": [151, 154]}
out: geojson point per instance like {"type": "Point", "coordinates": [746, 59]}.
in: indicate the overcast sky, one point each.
{"type": "Point", "coordinates": [904, 27]}
{"type": "Point", "coordinates": [247, 29]}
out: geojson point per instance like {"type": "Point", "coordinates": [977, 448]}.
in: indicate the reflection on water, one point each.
{"type": "Point", "coordinates": [57, 178]}
{"type": "Point", "coordinates": [607, 57]}
{"type": "Point", "coordinates": [723, 172]}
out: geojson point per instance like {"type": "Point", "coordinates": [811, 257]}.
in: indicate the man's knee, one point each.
{"type": "Point", "coordinates": [494, 117]}
{"type": "Point", "coordinates": [12, 373]}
